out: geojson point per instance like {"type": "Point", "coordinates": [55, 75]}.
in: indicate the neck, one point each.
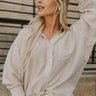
{"type": "Point", "coordinates": [52, 23]}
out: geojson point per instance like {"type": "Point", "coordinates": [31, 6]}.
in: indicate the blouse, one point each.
{"type": "Point", "coordinates": [56, 64]}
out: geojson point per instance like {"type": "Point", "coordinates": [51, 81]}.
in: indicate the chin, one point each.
{"type": "Point", "coordinates": [44, 15]}
{"type": "Point", "coordinates": [41, 15]}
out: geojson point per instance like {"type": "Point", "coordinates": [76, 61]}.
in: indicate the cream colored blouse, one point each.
{"type": "Point", "coordinates": [56, 64]}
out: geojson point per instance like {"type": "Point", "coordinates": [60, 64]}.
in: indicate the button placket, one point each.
{"type": "Point", "coordinates": [48, 67]}
{"type": "Point", "coordinates": [49, 58]}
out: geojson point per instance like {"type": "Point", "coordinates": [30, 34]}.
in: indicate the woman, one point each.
{"type": "Point", "coordinates": [47, 58]}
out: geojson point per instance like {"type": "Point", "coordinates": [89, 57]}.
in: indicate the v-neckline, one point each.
{"type": "Point", "coordinates": [47, 37]}
{"type": "Point", "coordinates": [54, 38]}
{"type": "Point", "coordinates": [51, 37]}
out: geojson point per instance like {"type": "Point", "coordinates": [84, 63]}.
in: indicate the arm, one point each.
{"type": "Point", "coordinates": [12, 68]}
{"type": "Point", "coordinates": [86, 25]}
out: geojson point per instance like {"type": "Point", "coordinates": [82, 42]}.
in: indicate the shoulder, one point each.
{"type": "Point", "coordinates": [25, 31]}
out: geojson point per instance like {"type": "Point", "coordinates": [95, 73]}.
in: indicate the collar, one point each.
{"type": "Point", "coordinates": [54, 39]}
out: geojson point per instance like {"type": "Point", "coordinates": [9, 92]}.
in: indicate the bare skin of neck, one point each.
{"type": "Point", "coordinates": [51, 22]}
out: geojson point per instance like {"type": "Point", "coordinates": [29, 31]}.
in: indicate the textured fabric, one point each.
{"type": "Point", "coordinates": [57, 64]}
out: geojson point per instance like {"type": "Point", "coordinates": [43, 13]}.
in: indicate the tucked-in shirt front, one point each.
{"type": "Point", "coordinates": [56, 64]}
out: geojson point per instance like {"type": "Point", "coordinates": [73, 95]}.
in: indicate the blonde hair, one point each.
{"type": "Point", "coordinates": [62, 16]}
{"type": "Point", "coordinates": [35, 25]}
{"type": "Point", "coordinates": [63, 13]}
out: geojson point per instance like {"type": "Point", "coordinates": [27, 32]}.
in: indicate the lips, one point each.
{"type": "Point", "coordinates": [40, 7]}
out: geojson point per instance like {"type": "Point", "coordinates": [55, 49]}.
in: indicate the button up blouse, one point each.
{"type": "Point", "coordinates": [57, 64]}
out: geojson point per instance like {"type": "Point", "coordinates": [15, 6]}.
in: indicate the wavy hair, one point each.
{"type": "Point", "coordinates": [62, 15]}
{"type": "Point", "coordinates": [35, 24]}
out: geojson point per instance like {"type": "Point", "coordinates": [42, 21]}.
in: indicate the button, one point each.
{"type": "Point", "coordinates": [43, 92]}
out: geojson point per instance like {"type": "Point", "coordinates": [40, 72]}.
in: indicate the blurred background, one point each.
{"type": "Point", "coordinates": [14, 14]}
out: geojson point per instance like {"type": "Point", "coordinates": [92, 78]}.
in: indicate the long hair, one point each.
{"type": "Point", "coordinates": [63, 13]}
{"type": "Point", "coordinates": [35, 25]}
{"type": "Point", "coordinates": [62, 16]}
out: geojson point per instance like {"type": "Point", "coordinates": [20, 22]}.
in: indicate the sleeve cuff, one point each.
{"type": "Point", "coordinates": [17, 91]}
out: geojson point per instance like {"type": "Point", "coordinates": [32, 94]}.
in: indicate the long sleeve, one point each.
{"type": "Point", "coordinates": [86, 25]}
{"type": "Point", "coordinates": [12, 68]}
